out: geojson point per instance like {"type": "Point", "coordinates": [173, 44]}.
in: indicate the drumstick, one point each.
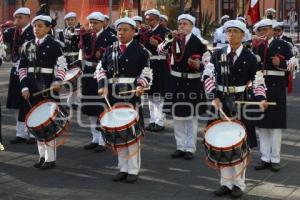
{"type": "Point", "coordinates": [46, 90]}
{"type": "Point", "coordinates": [223, 113]}
{"type": "Point", "coordinates": [255, 103]}
{"type": "Point", "coordinates": [105, 97]}
{"type": "Point", "coordinates": [131, 91]}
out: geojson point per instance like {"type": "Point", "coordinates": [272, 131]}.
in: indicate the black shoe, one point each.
{"type": "Point", "coordinates": [158, 128]}
{"type": "Point", "coordinates": [47, 165]}
{"type": "Point", "coordinates": [31, 141]}
{"type": "Point", "coordinates": [99, 149]}
{"type": "Point", "coordinates": [91, 146]}
{"type": "Point", "coordinates": [236, 192]}
{"type": "Point", "coordinates": [150, 127]}
{"type": "Point", "coordinates": [18, 140]}
{"type": "Point", "coordinates": [131, 178]}
{"type": "Point", "coordinates": [188, 156]}
{"type": "Point", "coordinates": [177, 154]}
{"type": "Point", "coordinates": [74, 106]}
{"type": "Point", "coordinates": [223, 190]}
{"type": "Point", "coordinates": [262, 165]}
{"type": "Point", "coordinates": [275, 167]}
{"type": "Point", "coordinates": [40, 163]}
{"type": "Point", "coordinates": [120, 176]}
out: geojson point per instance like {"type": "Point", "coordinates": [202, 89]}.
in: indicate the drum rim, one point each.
{"type": "Point", "coordinates": [230, 164]}
{"type": "Point", "coordinates": [120, 128]}
{"type": "Point", "coordinates": [228, 147]}
{"type": "Point", "coordinates": [76, 75]}
{"type": "Point", "coordinates": [47, 122]}
{"type": "Point", "coordinates": [122, 145]}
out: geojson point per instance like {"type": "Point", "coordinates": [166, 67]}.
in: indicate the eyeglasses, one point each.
{"type": "Point", "coordinates": [277, 30]}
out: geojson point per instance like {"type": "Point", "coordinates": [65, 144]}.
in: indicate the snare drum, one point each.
{"type": "Point", "coordinates": [226, 143]}
{"type": "Point", "coordinates": [72, 77]}
{"type": "Point", "coordinates": [46, 121]}
{"type": "Point", "coordinates": [120, 126]}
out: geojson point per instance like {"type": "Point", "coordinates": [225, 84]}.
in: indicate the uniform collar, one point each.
{"type": "Point", "coordinates": [99, 32]}
{"type": "Point", "coordinates": [153, 29]}
{"type": "Point", "coordinates": [25, 27]}
{"type": "Point", "coordinates": [187, 37]}
{"type": "Point", "coordinates": [238, 51]}
{"type": "Point", "coordinates": [270, 40]}
{"type": "Point", "coordinates": [41, 40]}
{"type": "Point", "coordinates": [127, 44]}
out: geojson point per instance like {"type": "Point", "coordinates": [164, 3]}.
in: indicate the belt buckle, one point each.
{"type": "Point", "coordinates": [36, 70]}
{"type": "Point", "coordinates": [231, 89]}
{"type": "Point", "coordinates": [115, 80]}
{"type": "Point", "coordinates": [184, 75]}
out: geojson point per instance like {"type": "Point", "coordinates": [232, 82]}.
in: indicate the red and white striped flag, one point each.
{"type": "Point", "coordinates": [253, 11]}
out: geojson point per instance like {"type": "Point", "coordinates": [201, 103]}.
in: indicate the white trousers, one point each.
{"type": "Point", "coordinates": [270, 144]}
{"type": "Point", "coordinates": [156, 105]}
{"type": "Point", "coordinates": [73, 99]}
{"type": "Point", "coordinates": [21, 129]}
{"type": "Point", "coordinates": [127, 163]}
{"type": "Point", "coordinates": [229, 177]}
{"type": "Point", "coordinates": [97, 136]}
{"type": "Point", "coordinates": [186, 134]}
{"type": "Point", "coordinates": [47, 151]}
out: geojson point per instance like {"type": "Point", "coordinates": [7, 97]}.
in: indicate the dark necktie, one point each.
{"type": "Point", "coordinates": [231, 58]}
{"type": "Point", "coordinates": [123, 48]}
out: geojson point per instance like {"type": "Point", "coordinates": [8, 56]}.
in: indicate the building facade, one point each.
{"type": "Point", "coordinates": [215, 8]}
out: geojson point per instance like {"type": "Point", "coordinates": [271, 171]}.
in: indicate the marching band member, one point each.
{"type": "Point", "coordinates": [185, 89]}
{"type": "Point", "coordinates": [275, 61]}
{"type": "Point", "coordinates": [138, 20]}
{"type": "Point", "coordinates": [42, 65]}
{"type": "Point", "coordinates": [248, 36]}
{"type": "Point", "coordinates": [226, 81]}
{"type": "Point", "coordinates": [270, 13]}
{"type": "Point", "coordinates": [107, 27]}
{"type": "Point", "coordinates": [278, 29]}
{"type": "Point", "coordinates": [15, 37]}
{"type": "Point", "coordinates": [125, 65]}
{"type": "Point", "coordinates": [160, 71]}
{"type": "Point", "coordinates": [93, 43]}
{"type": "Point", "coordinates": [164, 22]}
{"type": "Point", "coordinates": [219, 35]}
{"type": "Point", "coordinates": [70, 39]}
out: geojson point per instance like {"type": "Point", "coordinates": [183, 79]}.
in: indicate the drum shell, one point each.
{"type": "Point", "coordinates": [122, 136]}
{"type": "Point", "coordinates": [227, 156]}
{"type": "Point", "coordinates": [50, 129]}
{"type": "Point", "coordinates": [74, 82]}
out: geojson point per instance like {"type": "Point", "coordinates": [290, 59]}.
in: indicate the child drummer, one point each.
{"type": "Point", "coordinates": [42, 66]}
{"type": "Point", "coordinates": [127, 62]}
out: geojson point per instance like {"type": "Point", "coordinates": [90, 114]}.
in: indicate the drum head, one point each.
{"type": "Point", "coordinates": [225, 134]}
{"type": "Point", "coordinates": [41, 114]}
{"type": "Point", "coordinates": [118, 117]}
{"type": "Point", "coordinates": [71, 73]}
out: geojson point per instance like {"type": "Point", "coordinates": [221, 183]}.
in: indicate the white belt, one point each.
{"type": "Point", "coordinates": [90, 64]}
{"type": "Point", "coordinates": [159, 57]}
{"type": "Point", "coordinates": [40, 70]}
{"type": "Point", "coordinates": [231, 89]}
{"type": "Point", "coordinates": [185, 75]}
{"type": "Point", "coordinates": [71, 53]}
{"type": "Point", "coordinates": [121, 80]}
{"type": "Point", "coordinates": [274, 73]}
